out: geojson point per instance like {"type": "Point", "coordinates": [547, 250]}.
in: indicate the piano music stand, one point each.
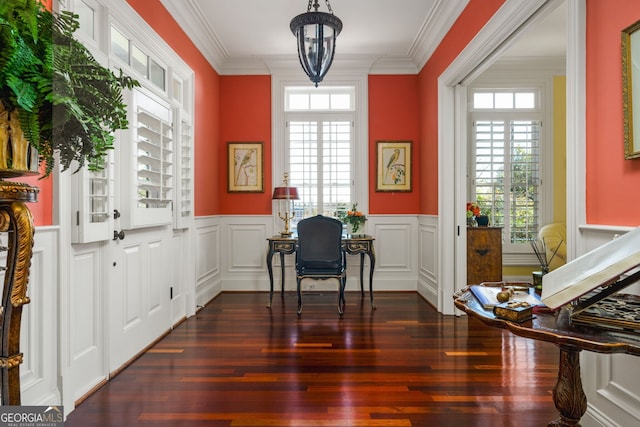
{"type": "Point", "coordinates": [568, 395]}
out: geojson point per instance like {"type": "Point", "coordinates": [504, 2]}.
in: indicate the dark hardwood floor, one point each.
{"type": "Point", "coordinates": [237, 363]}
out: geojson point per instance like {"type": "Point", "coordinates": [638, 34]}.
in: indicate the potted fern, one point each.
{"type": "Point", "coordinates": [54, 95]}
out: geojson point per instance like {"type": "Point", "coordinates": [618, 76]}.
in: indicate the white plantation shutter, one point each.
{"type": "Point", "coordinates": [320, 165]}
{"type": "Point", "coordinates": [507, 176]}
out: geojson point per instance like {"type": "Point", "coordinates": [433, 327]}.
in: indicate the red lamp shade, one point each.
{"type": "Point", "coordinates": [285, 193]}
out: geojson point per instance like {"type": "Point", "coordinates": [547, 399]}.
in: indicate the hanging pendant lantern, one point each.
{"type": "Point", "coordinates": [316, 34]}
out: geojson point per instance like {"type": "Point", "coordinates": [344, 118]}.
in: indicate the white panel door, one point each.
{"type": "Point", "coordinates": [139, 292]}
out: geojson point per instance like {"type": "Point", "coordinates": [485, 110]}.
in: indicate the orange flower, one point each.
{"type": "Point", "coordinates": [473, 209]}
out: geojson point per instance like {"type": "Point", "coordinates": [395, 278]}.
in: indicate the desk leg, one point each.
{"type": "Point", "coordinates": [372, 262]}
{"type": "Point", "coordinates": [362, 274]}
{"type": "Point", "coordinates": [568, 395]}
{"type": "Point", "coordinates": [270, 270]}
{"type": "Point", "coordinates": [282, 272]}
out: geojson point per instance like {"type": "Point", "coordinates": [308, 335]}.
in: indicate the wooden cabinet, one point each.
{"type": "Point", "coordinates": [484, 254]}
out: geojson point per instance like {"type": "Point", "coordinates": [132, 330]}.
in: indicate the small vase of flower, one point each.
{"type": "Point", "coordinates": [473, 211]}
{"type": "Point", "coordinates": [353, 219]}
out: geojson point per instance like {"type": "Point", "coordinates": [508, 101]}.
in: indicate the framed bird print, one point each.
{"type": "Point", "coordinates": [245, 167]}
{"type": "Point", "coordinates": [393, 171]}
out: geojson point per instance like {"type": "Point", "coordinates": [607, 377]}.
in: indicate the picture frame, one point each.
{"type": "Point", "coordinates": [245, 167]}
{"type": "Point", "coordinates": [393, 170]}
{"type": "Point", "coordinates": [631, 90]}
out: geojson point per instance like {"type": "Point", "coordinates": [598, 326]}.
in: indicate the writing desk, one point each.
{"type": "Point", "coordinates": [556, 328]}
{"type": "Point", "coordinates": [351, 244]}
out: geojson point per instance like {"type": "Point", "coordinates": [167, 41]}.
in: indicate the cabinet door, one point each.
{"type": "Point", "coordinates": [484, 254]}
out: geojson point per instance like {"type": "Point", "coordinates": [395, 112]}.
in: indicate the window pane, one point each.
{"type": "Point", "coordinates": [119, 45]}
{"type": "Point", "coordinates": [340, 101]}
{"type": "Point", "coordinates": [504, 100]}
{"type": "Point", "coordinates": [156, 74]}
{"type": "Point", "coordinates": [176, 90]}
{"type": "Point", "coordinates": [320, 101]}
{"type": "Point", "coordinates": [482, 100]}
{"type": "Point", "coordinates": [139, 61]}
{"type": "Point", "coordinates": [525, 100]}
{"type": "Point", "coordinates": [525, 181]}
{"type": "Point", "coordinates": [336, 160]}
{"type": "Point", "coordinates": [86, 18]}
{"type": "Point", "coordinates": [298, 101]}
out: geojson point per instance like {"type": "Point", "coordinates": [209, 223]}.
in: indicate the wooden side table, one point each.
{"type": "Point", "coordinates": [556, 328]}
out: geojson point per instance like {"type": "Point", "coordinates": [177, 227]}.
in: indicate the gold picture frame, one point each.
{"type": "Point", "coordinates": [393, 171]}
{"type": "Point", "coordinates": [631, 90]}
{"type": "Point", "coordinates": [245, 165]}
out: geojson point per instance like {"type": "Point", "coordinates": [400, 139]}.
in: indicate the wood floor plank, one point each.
{"type": "Point", "coordinates": [239, 364]}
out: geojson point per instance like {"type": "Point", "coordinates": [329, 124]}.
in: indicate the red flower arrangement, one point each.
{"type": "Point", "coordinates": [473, 209]}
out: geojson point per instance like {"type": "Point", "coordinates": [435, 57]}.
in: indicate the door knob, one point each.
{"type": "Point", "coordinates": [118, 235]}
{"type": "Point", "coordinates": [116, 214]}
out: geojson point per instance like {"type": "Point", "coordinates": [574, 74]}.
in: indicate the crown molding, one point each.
{"type": "Point", "coordinates": [442, 17]}
{"type": "Point", "coordinates": [194, 23]}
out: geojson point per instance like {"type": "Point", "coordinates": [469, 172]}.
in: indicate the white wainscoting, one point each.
{"type": "Point", "coordinates": [39, 372]}
{"type": "Point", "coordinates": [241, 265]}
{"type": "Point", "coordinates": [428, 285]}
{"type": "Point", "coordinates": [611, 382]}
{"type": "Point", "coordinates": [207, 254]}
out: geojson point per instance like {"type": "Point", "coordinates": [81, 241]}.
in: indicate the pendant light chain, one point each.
{"type": "Point", "coordinates": [329, 6]}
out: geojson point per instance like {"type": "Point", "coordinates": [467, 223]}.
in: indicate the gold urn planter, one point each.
{"type": "Point", "coordinates": [17, 156]}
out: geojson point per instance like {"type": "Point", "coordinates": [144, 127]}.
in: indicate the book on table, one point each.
{"type": "Point", "coordinates": [487, 293]}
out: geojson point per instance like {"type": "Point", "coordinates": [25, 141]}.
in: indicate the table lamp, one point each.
{"type": "Point", "coordinates": [285, 193]}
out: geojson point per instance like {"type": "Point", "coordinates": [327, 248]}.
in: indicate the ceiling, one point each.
{"type": "Point", "coordinates": [245, 36]}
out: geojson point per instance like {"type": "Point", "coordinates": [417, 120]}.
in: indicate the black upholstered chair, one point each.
{"type": "Point", "coordinates": [319, 254]}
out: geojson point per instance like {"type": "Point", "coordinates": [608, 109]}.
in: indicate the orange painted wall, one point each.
{"type": "Point", "coordinates": [41, 211]}
{"type": "Point", "coordinates": [245, 117]}
{"type": "Point", "coordinates": [612, 181]}
{"type": "Point", "coordinates": [207, 106]}
{"type": "Point", "coordinates": [394, 115]}
{"type": "Point", "coordinates": [472, 19]}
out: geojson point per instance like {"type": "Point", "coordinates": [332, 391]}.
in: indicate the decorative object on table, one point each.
{"type": "Point", "coordinates": [482, 220]}
{"type": "Point", "coordinates": [516, 311]}
{"type": "Point", "coordinates": [245, 164]}
{"type": "Point", "coordinates": [393, 171]}
{"type": "Point", "coordinates": [316, 34]}
{"type": "Point", "coordinates": [473, 211]}
{"type": "Point", "coordinates": [491, 294]}
{"type": "Point", "coordinates": [540, 249]}
{"type": "Point", "coordinates": [630, 89]}
{"type": "Point", "coordinates": [354, 219]}
{"type": "Point", "coordinates": [287, 194]}
{"type": "Point", "coordinates": [554, 236]}
{"type": "Point", "coordinates": [55, 96]}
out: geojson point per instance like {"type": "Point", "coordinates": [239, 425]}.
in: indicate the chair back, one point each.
{"type": "Point", "coordinates": [319, 249]}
